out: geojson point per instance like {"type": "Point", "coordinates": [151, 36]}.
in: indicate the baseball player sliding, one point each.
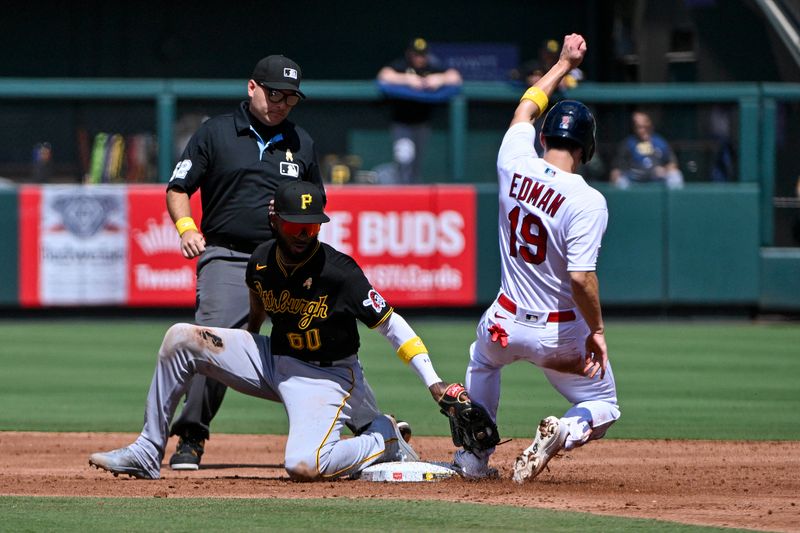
{"type": "Point", "coordinates": [313, 295]}
{"type": "Point", "coordinates": [547, 311]}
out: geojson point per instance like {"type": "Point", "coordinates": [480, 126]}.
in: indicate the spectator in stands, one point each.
{"type": "Point", "coordinates": [548, 56]}
{"type": "Point", "coordinates": [414, 83]}
{"type": "Point", "coordinates": [530, 72]}
{"type": "Point", "coordinates": [645, 156]}
{"type": "Point", "coordinates": [723, 168]}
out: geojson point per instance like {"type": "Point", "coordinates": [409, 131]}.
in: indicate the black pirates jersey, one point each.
{"type": "Point", "coordinates": [314, 306]}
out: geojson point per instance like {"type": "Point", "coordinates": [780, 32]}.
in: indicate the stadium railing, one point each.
{"type": "Point", "coordinates": [756, 104]}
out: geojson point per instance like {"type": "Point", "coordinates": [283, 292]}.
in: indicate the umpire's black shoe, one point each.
{"type": "Point", "coordinates": [188, 454]}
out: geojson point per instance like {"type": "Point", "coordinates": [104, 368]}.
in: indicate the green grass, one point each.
{"type": "Point", "coordinates": [675, 380]}
{"type": "Point", "coordinates": [194, 515]}
{"type": "Point", "coordinates": [733, 380]}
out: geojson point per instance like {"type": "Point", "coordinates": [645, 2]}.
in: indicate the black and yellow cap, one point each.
{"type": "Point", "coordinates": [300, 201]}
{"type": "Point", "coordinates": [418, 45]}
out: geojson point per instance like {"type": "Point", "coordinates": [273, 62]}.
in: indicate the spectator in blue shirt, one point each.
{"type": "Point", "coordinates": [645, 157]}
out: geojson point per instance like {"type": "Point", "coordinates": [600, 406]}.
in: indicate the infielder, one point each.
{"type": "Point", "coordinates": [547, 311]}
{"type": "Point", "coordinates": [313, 295]}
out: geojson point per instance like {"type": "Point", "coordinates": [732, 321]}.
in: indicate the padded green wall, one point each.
{"type": "Point", "coordinates": [632, 266]}
{"type": "Point", "coordinates": [488, 252]}
{"type": "Point", "coordinates": [698, 245]}
{"type": "Point", "coordinates": [780, 279]}
{"type": "Point", "coordinates": [713, 235]}
{"type": "Point", "coordinates": [9, 258]}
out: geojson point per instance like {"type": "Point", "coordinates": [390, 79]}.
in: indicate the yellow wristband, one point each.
{"type": "Point", "coordinates": [537, 96]}
{"type": "Point", "coordinates": [185, 224]}
{"type": "Point", "coordinates": [410, 348]}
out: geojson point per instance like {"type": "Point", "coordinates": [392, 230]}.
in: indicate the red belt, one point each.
{"type": "Point", "coordinates": [556, 316]}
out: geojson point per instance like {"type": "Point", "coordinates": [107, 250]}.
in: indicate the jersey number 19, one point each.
{"type": "Point", "coordinates": [537, 239]}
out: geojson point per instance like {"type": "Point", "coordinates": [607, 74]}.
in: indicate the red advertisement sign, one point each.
{"type": "Point", "coordinates": [158, 275]}
{"type": "Point", "coordinates": [415, 243]}
{"type": "Point", "coordinates": [116, 245]}
{"type": "Point", "coordinates": [30, 200]}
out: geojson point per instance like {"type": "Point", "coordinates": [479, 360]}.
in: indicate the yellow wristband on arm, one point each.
{"type": "Point", "coordinates": [185, 224]}
{"type": "Point", "coordinates": [410, 348]}
{"type": "Point", "coordinates": [537, 96]}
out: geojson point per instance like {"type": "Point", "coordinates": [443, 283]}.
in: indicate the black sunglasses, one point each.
{"type": "Point", "coordinates": [275, 96]}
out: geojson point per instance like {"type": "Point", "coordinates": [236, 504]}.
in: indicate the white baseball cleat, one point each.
{"type": "Point", "coordinates": [470, 466]}
{"type": "Point", "coordinates": [550, 437]}
{"type": "Point", "coordinates": [121, 461]}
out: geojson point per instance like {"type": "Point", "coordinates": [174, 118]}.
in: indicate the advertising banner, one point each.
{"type": "Point", "coordinates": [101, 245]}
{"type": "Point", "coordinates": [158, 274]}
{"type": "Point", "coordinates": [75, 245]}
{"type": "Point", "coordinates": [416, 244]}
{"type": "Point", "coordinates": [116, 245]}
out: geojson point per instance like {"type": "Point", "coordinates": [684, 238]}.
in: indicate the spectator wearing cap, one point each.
{"type": "Point", "coordinates": [421, 77]}
{"type": "Point", "coordinates": [236, 161]}
{"type": "Point", "coordinates": [548, 56]}
{"type": "Point", "coordinates": [530, 72]}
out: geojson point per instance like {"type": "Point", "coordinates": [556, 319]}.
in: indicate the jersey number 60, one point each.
{"type": "Point", "coordinates": [537, 239]}
{"type": "Point", "coordinates": [310, 341]}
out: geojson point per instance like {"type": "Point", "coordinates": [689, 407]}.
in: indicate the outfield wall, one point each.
{"type": "Point", "coordinates": [423, 246]}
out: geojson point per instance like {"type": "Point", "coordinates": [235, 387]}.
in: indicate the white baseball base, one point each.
{"type": "Point", "coordinates": [415, 471]}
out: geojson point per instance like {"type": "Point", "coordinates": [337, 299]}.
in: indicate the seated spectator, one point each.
{"type": "Point", "coordinates": [414, 83]}
{"type": "Point", "coordinates": [645, 157]}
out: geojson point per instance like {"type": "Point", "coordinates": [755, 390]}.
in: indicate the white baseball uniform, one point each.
{"type": "Point", "coordinates": [550, 223]}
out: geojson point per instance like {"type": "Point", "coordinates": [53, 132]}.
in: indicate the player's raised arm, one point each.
{"type": "Point", "coordinates": [534, 101]}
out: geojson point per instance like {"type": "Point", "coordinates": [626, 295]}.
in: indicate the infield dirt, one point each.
{"type": "Point", "coordinates": [754, 485]}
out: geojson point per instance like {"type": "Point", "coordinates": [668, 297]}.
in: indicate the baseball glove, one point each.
{"type": "Point", "coordinates": [470, 424]}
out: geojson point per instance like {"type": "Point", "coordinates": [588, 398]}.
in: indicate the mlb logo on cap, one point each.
{"type": "Point", "coordinates": [565, 120]}
{"type": "Point", "coordinates": [280, 73]}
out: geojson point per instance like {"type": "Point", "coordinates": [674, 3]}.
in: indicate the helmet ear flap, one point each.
{"type": "Point", "coordinates": [588, 152]}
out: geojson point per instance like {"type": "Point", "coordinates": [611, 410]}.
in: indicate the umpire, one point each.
{"type": "Point", "coordinates": [236, 160]}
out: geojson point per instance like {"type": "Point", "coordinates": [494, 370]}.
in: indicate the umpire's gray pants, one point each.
{"type": "Point", "coordinates": [222, 300]}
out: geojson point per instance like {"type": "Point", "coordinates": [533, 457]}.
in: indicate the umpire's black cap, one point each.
{"type": "Point", "coordinates": [300, 201]}
{"type": "Point", "coordinates": [279, 72]}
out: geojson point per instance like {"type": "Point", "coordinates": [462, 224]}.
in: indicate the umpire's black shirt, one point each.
{"type": "Point", "coordinates": [237, 163]}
